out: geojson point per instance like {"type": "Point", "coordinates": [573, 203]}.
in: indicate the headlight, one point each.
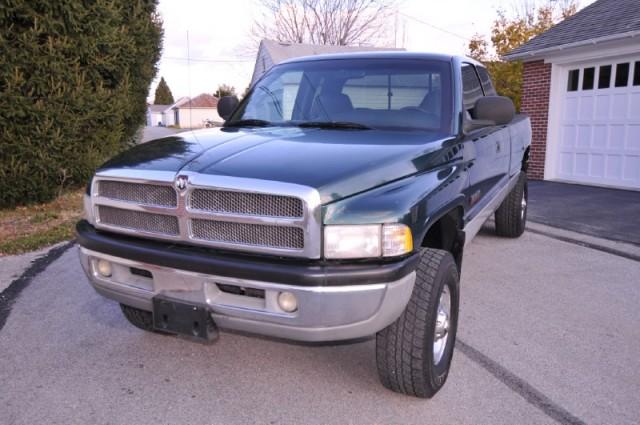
{"type": "Point", "coordinates": [367, 241]}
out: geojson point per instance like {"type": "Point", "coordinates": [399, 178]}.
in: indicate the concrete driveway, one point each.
{"type": "Point", "coordinates": [549, 332]}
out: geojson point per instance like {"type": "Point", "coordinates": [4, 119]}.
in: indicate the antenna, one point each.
{"type": "Point", "coordinates": [189, 84]}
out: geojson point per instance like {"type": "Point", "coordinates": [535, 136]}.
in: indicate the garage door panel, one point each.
{"type": "Point", "coordinates": [616, 137]}
{"type": "Point", "coordinates": [597, 165]}
{"type": "Point", "coordinates": [600, 128]}
{"type": "Point", "coordinates": [583, 139]}
{"type": "Point", "coordinates": [568, 136]}
{"type": "Point", "coordinates": [602, 107]}
{"type": "Point", "coordinates": [571, 109]}
{"type": "Point", "coordinates": [582, 164]}
{"type": "Point", "coordinates": [614, 167]}
{"type": "Point", "coordinates": [633, 137]}
{"type": "Point", "coordinates": [634, 103]}
{"type": "Point", "coordinates": [585, 111]}
{"type": "Point", "coordinates": [632, 168]}
{"type": "Point", "coordinates": [619, 107]}
{"type": "Point", "coordinates": [600, 136]}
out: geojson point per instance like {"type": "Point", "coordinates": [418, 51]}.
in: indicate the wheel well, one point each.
{"type": "Point", "coordinates": [446, 234]}
{"type": "Point", "coordinates": [525, 160]}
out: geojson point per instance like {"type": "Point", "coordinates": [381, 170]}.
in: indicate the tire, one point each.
{"type": "Point", "coordinates": [405, 349]}
{"type": "Point", "coordinates": [511, 216]}
{"type": "Point", "coordinates": [141, 319]}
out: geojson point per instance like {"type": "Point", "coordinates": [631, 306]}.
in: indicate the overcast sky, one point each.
{"type": "Point", "coordinates": [219, 37]}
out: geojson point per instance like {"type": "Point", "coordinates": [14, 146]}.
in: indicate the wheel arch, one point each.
{"type": "Point", "coordinates": [445, 232]}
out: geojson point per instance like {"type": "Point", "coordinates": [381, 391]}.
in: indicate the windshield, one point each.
{"type": "Point", "coordinates": [397, 94]}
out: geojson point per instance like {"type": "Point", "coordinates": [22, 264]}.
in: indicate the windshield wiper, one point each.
{"type": "Point", "coordinates": [249, 123]}
{"type": "Point", "coordinates": [334, 124]}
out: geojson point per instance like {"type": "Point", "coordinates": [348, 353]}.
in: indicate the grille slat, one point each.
{"type": "Point", "coordinates": [224, 201]}
{"type": "Point", "coordinates": [145, 194]}
{"type": "Point", "coordinates": [248, 234]}
{"type": "Point", "coordinates": [139, 220]}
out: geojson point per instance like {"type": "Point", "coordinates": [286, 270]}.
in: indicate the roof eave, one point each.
{"type": "Point", "coordinates": [541, 53]}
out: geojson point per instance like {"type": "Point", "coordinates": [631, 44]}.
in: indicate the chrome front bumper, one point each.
{"type": "Point", "coordinates": [325, 313]}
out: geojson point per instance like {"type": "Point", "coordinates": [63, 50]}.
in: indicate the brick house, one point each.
{"type": "Point", "coordinates": [581, 87]}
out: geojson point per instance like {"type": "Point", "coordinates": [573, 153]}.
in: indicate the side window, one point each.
{"type": "Point", "coordinates": [485, 79]}
{"type": "Point", "coordinates": [471, 88]}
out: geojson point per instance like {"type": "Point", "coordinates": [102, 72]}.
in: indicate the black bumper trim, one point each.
{"type": "Point", "coordinates": [208, 261]}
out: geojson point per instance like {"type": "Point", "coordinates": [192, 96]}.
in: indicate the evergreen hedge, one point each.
{"type": "Point", "coordinates": [74, 78]}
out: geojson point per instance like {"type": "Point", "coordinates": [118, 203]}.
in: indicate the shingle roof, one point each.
{"type": "Point", "coordinates": [602, 19]}
{"type": "Point", "coordinates": [201, 101]}
{"type": "Point", "coordinates": [158, 108]}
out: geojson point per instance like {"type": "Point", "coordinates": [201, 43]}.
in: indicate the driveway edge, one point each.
{"type": "Point", "coordinates": [11, 293]}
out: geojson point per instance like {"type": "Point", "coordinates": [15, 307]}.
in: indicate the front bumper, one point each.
{"type": "Point", "coordinates": [326, 311]}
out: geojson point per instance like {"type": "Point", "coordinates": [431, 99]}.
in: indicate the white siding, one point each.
{"type": "Point", "coordinates": [195, 117]}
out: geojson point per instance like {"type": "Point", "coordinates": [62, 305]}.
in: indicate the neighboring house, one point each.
{"type": "Point", "coordinates": [582, 90]}
{"type": "Point", "coordinates": [154, 114]}
{"type": "Point", "coordinates": [271, 53]}
{"type": "Point", "coordinates": [168, 115]}
{"type": "Point", "coordinates": [192, 113]}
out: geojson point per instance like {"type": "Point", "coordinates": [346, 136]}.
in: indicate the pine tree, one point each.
{"type": "Point", "coordinates": [163, 94]}
{"type": "Point", "coordinates": [74, 80]}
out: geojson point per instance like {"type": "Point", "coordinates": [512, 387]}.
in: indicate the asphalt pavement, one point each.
{"type": "Point", "coordinates": [549, 332]}
{"type": "Point", "coordinates": [607, 213]}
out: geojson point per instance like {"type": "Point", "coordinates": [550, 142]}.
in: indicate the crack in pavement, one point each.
{"type": "Point", "coordinates": [519, 386]}
{"type": "Point", "coordinates": [11, 293]}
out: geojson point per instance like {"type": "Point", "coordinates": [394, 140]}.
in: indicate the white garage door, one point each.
{"type": "Point", "coordinates": [600, 124]}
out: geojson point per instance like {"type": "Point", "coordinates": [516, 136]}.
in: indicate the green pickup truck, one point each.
{"type": "Point", "coordinates": [334, 204]}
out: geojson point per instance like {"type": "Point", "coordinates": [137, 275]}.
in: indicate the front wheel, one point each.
{"type": "Point", "coordinates": [414, 353]}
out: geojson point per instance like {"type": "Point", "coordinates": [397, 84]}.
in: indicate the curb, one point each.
{"type": "Point", "coordinates": [620, 249]}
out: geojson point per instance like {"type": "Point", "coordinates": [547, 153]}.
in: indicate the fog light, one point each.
{"type": "Point", "coordinates": [104, 268]}
{"type": "Point", "coordinates": [287, 301]}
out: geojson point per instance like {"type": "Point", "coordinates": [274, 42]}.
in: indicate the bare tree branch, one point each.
{"type": "Point", "coordinates": [336, 22]}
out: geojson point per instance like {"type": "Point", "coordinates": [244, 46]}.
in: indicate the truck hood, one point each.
{"type": "Point", "coordinates": [338, 163]}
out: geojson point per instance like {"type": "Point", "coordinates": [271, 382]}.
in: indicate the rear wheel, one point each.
{"type": "Point", "coordinates": [414, 353]}
{"type": "Point", "coordinates": [511, 216]}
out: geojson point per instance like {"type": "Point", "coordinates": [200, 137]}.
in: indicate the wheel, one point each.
{"type": "Point", "coordinates": [413, 354]}
{"type": "Point", "coordinates": [141, 319]}
{"type": "Point", "coordinates": [511, 216]}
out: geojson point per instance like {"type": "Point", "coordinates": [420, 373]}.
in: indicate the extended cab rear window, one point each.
{"type": "Point", "coordinates": [405, 94]}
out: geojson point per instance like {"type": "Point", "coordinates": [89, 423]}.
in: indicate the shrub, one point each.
{"type": "Point", "coordinates": [74, 78]}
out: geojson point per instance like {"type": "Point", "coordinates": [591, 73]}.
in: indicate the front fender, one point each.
{"type": "Point", "coordinates": [416, 201]}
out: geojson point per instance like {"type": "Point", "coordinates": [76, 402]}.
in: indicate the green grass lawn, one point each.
{"type": "Point", "coordinates": [25, 229]}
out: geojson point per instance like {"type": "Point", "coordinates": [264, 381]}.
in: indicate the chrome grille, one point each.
{"type": "Point", "coordinates": [139, 220]}
{"type": "Point", "coordinates": [231, 202]}
{"type": "Point", "coordinates": [248, 234]}
{"type": "Point", "coordinates": [145, 194]}
{"type": "Point", "coordinates": [242, 214]}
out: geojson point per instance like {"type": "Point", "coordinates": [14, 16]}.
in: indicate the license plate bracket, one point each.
{"type": "Point", "coordinates": [183, 318]}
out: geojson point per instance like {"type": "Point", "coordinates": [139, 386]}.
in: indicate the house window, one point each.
{"type": "Point", "coordinates": [587, 78]}
{"type": "Point", "coordinates": [636, 74]}
{"type": "Point", "coordinates": [604, 80]}
{"type": "Point", "coordinates": [572, 84]}
{"type": "Point", "coordinates": [622, 74]}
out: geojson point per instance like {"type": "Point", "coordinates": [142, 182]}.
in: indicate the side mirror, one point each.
{"type": "Point", "coordinates": [226, 106]}
{"type": "Point", "coordinates": [498, 109]}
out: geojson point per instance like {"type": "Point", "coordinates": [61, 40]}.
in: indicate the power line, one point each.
{"type": "Point", "coordinates": [208, 60]}
{"type": "Point", "coordinates": [435, 27]}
